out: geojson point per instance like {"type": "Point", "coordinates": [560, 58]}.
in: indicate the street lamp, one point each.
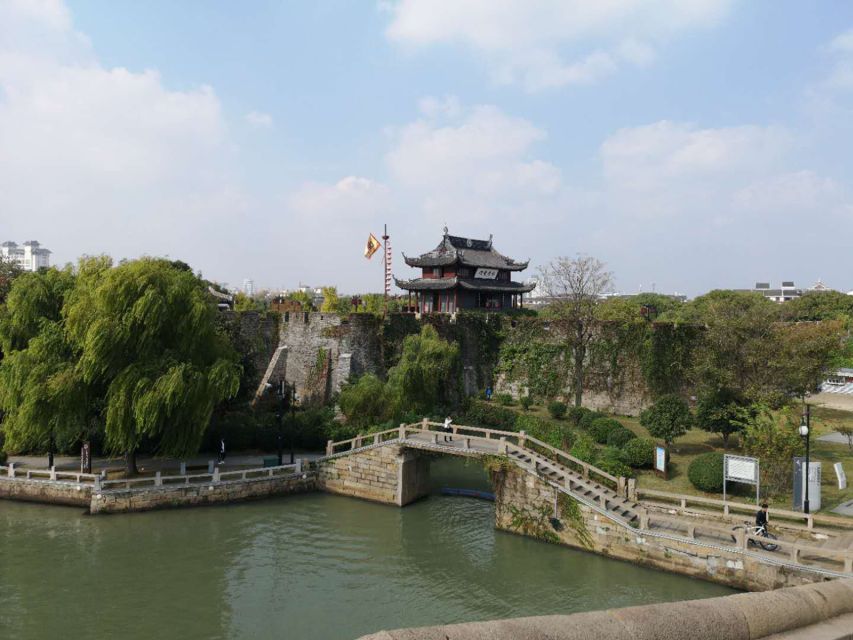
{"type": "Point", "coordinates": [287, 397]}
{"type": "Point", "coordinates": [804, 432]}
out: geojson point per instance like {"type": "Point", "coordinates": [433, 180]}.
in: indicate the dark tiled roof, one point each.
{"type": "Point", "coordinates": [465, 251]}
{"type": "Point", "coordinates": [442, 284]}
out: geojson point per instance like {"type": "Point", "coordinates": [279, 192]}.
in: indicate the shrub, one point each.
{"type": "Point", "coordinates": [588, 418]}
{"type": "Point", "coordinates": [557, 409]}
{"type": "Point", "coordinates": [584, 448]}
{"type": "Point", "coordinates": [668, 418]}
{"type": "Point", "coordinates": [526, 402]}
{"type": "Point", "coordinates": [639, 452]}
{"type": "Point", "coordinates": [504, 399]}
{"type": "Point", "coordinates": [601, 428]}
{"type": "Point", "coordinates": [575, 414]}
{"type": "Point", "coordinates": [610, 460]}
{"type": "Point", "coordinates": [619, 437]}
{"type": "Point", "coordinates": [485, 414]}
{"type": "Point", "coordinates": [706, 472]}
{"type": "Point", "coordinates": [553, 433]}
{"type": "Point", "coordinates": [365, 402]}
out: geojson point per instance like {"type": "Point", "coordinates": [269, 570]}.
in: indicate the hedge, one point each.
{"type": "Point", "coordinates": [556, 434]}
{"type": "Point", "coordinates": [585, 422]}
{"type": "Point", "coordinates": [601, 428]}
{"type": "Point", "coordinates": [620, 437]}
{"type": "Point", "coordinates": [557, 409]}
{"type": "Point", "coordinates": [486, 414]}
{"type": "Point", "coordinates": [584, 448]}
{"type": "Point", "coordinates": [706, 472]}
{"type": "Point", "coordinates": [639, 452]}
{"type": "Point", "coordinates": [610, 460]}
{"type": "Point", "coordinates": [575, 414]}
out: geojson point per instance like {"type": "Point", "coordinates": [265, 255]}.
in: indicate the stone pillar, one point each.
{"type": "Point", "coordinates": [621, 486]}
{"type": "Point", "coordinates": [402, 432]}
{"type": "Point", "coordinates": [210, 466]}
{"type": "Point", "coordinates": [425, 424]}
{"type": "Point", "coordinates": [11, 469]}
{"type": "Point", "coordinates": [632, 489]}
{"type": "Point", "coordinates": [183, 471]}
{"type": "Point", "coordinates": [53, 472]}
{"type": "Point", "coordinates": [522, 438]}
{"type": "Point", "coordinates": [412, 477]}
{"type": "Point", "coordinates": [216, 474]}
{"type": "Point", "coordinates": [329, 447]}
{"type": "Point", "coordinates": [158, 480]}
{"type": "Point", "coordinates": [502, 446]}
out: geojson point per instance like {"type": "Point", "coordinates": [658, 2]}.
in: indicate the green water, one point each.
{"type": "Point", "coordinates": [312, 566]}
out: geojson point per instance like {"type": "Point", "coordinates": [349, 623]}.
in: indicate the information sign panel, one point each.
{"type": "Point", "coordinates": [660, 459]}
{"type": "Point", "coordinates": [842, 477]}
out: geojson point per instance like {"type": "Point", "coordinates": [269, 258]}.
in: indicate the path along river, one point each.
{"type": "Point", "coordinates": [311, 566]}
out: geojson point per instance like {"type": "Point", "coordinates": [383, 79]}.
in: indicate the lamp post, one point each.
{"type": "Point", "coordinates": [292, 417]}
{"type": "Point", "coordinates": [804, 432]}
{"type": "Point", "coordinates": [282, 399]}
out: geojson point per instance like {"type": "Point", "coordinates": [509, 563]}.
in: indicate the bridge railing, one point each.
{"type": "Point", "coordinates": [159, 480]}
{"type": "Point", "coordinates": [11, 471]}
{"type": "Point", "coordinates": [543, 448]}
{"type": "Point", "coordinates": [682, 503]}
{"type": "Point", "coordinates": [519, 438]}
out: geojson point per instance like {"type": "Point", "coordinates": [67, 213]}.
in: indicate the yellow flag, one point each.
{"type": "Point", "coordinates": [372, 246]}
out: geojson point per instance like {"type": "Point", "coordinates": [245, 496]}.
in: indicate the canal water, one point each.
{"type": "Point", "coordinates": [311, 566]}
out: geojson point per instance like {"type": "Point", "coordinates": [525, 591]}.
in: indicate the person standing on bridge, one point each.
{"type": "Point", "coordinates": [447, 429]}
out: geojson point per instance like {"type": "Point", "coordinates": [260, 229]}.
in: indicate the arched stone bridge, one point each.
{"type": "Point", "coordinates": [539, 482]}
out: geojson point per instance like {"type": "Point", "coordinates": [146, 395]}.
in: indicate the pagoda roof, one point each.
{"type": "Point", "coordinates": [465, 251]}
{"type": "Point", "coordinates": [442, 284]}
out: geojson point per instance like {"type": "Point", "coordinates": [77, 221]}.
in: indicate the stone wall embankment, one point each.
{"type": "Point", "coordinates": [518, 491]}
{"type": "Point", "coordinates": [45, 491]}
{"type": "Point", "coordinates": [208, 493]}
{"type": "Point", "coordinates": [806, 612]}
{"type": "Point", "coordinates": [389, 474]}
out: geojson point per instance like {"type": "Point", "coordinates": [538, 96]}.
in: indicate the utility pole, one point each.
{"type": "Point", "coordinates": [386, 260]}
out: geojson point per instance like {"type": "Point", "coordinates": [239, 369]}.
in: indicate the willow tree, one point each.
{"type": "Point", "coordinates": [149, 342]}
{"type": "Point", "coordinates": [46, 404]}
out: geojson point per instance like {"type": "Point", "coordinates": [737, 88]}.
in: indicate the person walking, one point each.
{"type": "Point", "coordinates": [447, 429]}
{"type": "Point", "coordinates": [222, 451]}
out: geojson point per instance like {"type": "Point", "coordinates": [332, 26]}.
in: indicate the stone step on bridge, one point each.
{"type": "Point", "coordinates": [386, 467]}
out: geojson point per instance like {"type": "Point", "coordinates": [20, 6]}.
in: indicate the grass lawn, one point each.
{"type": "Point", "coordinates": [695, 442]}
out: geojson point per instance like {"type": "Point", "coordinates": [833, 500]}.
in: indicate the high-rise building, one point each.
{"type": "Point", "coordinates": [249, 287]}
{"type": "Point", "coordinates": [29, 257]}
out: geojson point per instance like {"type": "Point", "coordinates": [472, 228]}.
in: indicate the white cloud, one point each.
{"type": "Point", "coordinates": [351, 198]}
{"type": "Point", "coordinates": [99, 159]}
{"type": "Point", "coordinates": [790, 193]}
{"type": "Point", "coordinates": [548, 43]}
{"type": "Point", "coordinates": [259, 120]}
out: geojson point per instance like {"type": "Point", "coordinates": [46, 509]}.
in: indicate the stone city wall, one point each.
{"type": "Point", "coordinates": [518, 492]}
{"type": "Point", "coordinates": [208, 493]}
{"type": "Point", "coordinates": [45, 491]}
{"type": "Point", "coordinates": [387, 473]}
{"type": "Point", "coordinates": [816, 611]}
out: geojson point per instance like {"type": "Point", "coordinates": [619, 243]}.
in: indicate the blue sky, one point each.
{"type": "Point", "coordinates": [690, 143]}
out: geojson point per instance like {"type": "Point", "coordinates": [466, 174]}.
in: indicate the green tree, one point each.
{"type": "Point", "coordinates": [149, 342]}
{"type": "Point", "coordinates": [365, 402]}
{"type": "Point", "coordinates": [9, 270]}
{"type": "Point", "coordinates": [847, 432]}
{"type": "Point", "coordinates": [242, 302]}
{"type": "Point", "coordinates": [46, 403]}
{"type": "Point", "coordinates": [667, 419]}
{"type": "Point", "coordinates": [331, 300]}
{"type": "Point", "coordinates": [772, 437]}
{"type": "Point", "coordinates": [819, 305]}
{"type": "Point", "coordinates": [806, 353]}
{"type": "Point", "coordinates": [721, 411]}
{"type": "Point", "coordinates": [302, 298]}
{"type": "Point", "coordinates": [427, 377]}
{"type": "Point", "coordinates": [575, 285]}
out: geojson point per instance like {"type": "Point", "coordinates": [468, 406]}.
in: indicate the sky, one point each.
{"type": "Point", "coordinates": [688, 144]}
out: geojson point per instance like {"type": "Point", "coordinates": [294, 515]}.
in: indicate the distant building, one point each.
{"type": "Point", "coordinates": [788, 291]}
{"type": "Point", "coordinates": [463, 273]}
{"type": "Point", "coordinates": [249, 287]}
{"type": "Point", "coordinates": [29, 257]}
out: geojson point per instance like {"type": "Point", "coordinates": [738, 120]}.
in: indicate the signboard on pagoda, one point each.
{"type": "Point", "coordinates": [486, 274]}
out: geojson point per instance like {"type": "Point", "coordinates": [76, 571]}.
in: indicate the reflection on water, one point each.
{"type": "Point", "coordinates": [311, 566]}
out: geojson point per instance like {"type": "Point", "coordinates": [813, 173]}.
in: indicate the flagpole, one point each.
{"type": "Point", "coordinates": [386, 260]}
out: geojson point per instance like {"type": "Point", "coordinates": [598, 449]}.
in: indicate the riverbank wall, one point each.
{"type": "Point", "coordinates": [817, 611]}
{"type": "Point", "coordinates": [200, 494]}
{"type": "Point", "coordinates": [524, 504]}
{"type": "Point", "coordinates": [72, 494]}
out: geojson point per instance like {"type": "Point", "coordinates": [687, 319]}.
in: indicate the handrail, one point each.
{"type": "Point", "coordinates": [217, 476]}
{"type": "Point", "coordinates": [522, 437]}
{"type": "Point", "coordinates": [10, 471]}
{"type": "Point", "coordinates": [810, 518]}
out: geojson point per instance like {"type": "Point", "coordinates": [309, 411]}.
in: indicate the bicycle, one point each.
{"type": "Point", "coordinates": [755, 530]}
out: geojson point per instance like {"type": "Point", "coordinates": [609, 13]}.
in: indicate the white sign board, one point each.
{"type": "Point", "coordinates": [486, 274]}
{"type": "Point", "coordinates": [660, 459]}
{"type": "Point", "coordinates": [842, 477]}
{"type": "Point", "coordinates": [741, 469]}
